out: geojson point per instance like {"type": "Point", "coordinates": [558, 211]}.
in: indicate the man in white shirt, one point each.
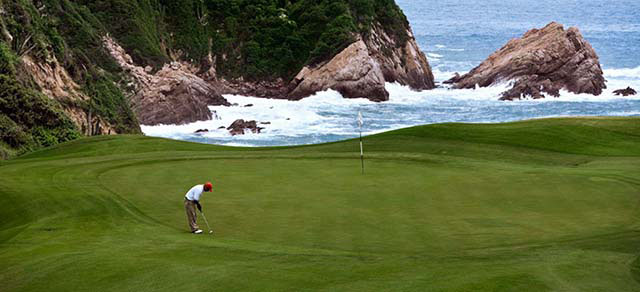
{"type": "Point", "coordinates": [191, 201]}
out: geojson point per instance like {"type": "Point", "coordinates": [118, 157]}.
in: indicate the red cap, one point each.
{"type": "Point", "coordinates": [208, 187]}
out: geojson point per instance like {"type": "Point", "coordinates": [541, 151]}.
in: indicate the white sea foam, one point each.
{"type": "Point", "coordinates": [327, 116]}
{"type": "Point", "coordinates": [284, 117]}
{"type": "Point", "coordinates": [627, 73]}
{"type": "Point", "coordinates": [445, 48]}
{"type": "Point", "coordinates": [434, 55]}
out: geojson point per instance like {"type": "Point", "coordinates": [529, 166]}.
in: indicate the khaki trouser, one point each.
{"type": "Point", "coordinates": [190, 207]}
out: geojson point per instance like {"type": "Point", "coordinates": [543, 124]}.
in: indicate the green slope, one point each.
{"type": "Point", "coordinates": [538, 205]}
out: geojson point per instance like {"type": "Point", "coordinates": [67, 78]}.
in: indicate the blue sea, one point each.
{"type": "Point", "coordinates": [456, 36]}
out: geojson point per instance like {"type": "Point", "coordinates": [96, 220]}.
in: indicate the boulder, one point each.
{"type": "Point", "coordinates": [239, 126]}
{"type": "Point", "coordinates": [173, 95]}
{"type": "Point", "coordinates": [201, 131]}
{"type": "Point", "coordinates": [542, 61]}
{"type": "Point", "coordinates": [625, 92]}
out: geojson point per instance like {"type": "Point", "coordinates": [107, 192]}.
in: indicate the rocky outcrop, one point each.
{"type": "Point", "coordinates": [625, 92]}
{"type": "Point", "coordinates": [542, 61]}
{"type": "Point", "coordinates": [402, 63]}
{"type": "Point", "coordinates": [238, 127]}
{"type": "Point", "coordinates": [353, 73]}
{"type": "Point", "coordinates": [173, 95]}
{"type": "Point", "coordinates": [361, 69]}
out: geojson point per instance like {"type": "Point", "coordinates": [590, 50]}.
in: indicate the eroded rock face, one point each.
{"type": "Point", "coordinates": [625, 92]}
{"type": "Point", "coordinates": [405, 64]}
{"type": "Point", "coordinates": [56, 83]}
{"type": "Point", "coordinates": [352, 72]}
{"type": "Point", "coordinates": [238, 127]}
{"type": "Point", "coordinates": [361, 70]}
{"type": "Point", "coordinates": [542, 61]}
{"type": "Point", "coordinates": [173, 95]}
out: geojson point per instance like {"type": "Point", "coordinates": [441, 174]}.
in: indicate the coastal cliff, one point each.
{"type": "Point", "coordinates": [362, 69]}
{"type": "Point", "coordinates": [105, 66]}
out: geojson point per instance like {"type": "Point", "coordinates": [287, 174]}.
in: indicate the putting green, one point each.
{"type": "Point", "coordinates": [538, 205]}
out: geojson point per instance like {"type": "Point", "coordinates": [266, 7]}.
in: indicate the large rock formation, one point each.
{"type": "Point", "coordinates": [173, 95]}
{"type": "Point", "coordinates": [361, 70]}
{"type": "Point", "coordinates": [353, 73]}
{"type": "Point", "coordinates": [542, 61]}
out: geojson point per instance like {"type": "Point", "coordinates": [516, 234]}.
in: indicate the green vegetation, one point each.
{"type": "Point", "coordinates": [256, 40]}
{"type": "Point", "coordinates": [533, 206]}
{"type": "Point", "coordinates": [54, 32]}
{"type": "Point", "coordinates": [28, 119]}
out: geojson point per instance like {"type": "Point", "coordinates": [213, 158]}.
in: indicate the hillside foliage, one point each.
{"type": "Point", "coordinates": [251, 39]}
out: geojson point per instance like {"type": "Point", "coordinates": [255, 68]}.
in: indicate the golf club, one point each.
{"type": "Point", "coordinates": [207, 222]}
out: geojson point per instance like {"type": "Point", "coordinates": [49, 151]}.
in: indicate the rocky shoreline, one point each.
{"type": "Point", "coordinates": [542, 62]}
{"type": "Point", "coordinates": [180, 92]}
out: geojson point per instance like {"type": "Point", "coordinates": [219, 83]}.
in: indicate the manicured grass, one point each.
{"type": "Point", "coordinates": [538, 205]}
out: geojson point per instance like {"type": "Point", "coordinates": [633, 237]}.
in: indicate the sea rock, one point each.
{"type": "Point", "coordinates": [201, 131]}
{"type": "Point", "coordinates": [239, 126]}
{"type": "Point", "coordinates": [542, 61]}
{"type": "Point", "coordinates": [173, 95]}
{"type": "Point", "coordinates": [362, 69]}
{"type": "Point", "coordinates": [625, 92]}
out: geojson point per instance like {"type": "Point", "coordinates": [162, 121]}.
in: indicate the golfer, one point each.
{"type": "Point", "coordinates": [191, 201]}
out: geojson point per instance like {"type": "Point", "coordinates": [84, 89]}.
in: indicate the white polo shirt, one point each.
{"type": "Point", "coordinates": [194, 193]}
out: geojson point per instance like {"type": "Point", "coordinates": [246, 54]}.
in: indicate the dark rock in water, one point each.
{"type": "Point", "coordinates": [221, 127]}
{"type": "Point", "coordinates": [234, 104]}
{"type": "Point", "coordinates": [265, 123]}
{"type": "Point", "coordinates": [454, 79]}
{"type": "Point", "coordinates": [625, 92]}
{"type": "Point", "coordinates": [202, 131]}
{"type": "Point", "coordinates": [248, 105]}
{"type": "Point", "coordinates": [288, 119]}
{"type": "Point", "coordinates": [238, 127]}
{"type": "Point", "coordinates": [542, 61]}
{"type": "Point", "coordinates": [529, 86]}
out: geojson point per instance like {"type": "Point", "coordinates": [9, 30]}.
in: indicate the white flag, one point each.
{"type": "Point", "coordinates": [360, 122]}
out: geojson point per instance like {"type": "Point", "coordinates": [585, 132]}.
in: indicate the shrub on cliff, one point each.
{"type": "Point", "coordinates": [257, 40]}
{"type": "Point", "coordinates": [29, 120]}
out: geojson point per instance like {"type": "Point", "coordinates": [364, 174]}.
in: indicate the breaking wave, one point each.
{"type": "Point", "coordinates": [327, 117]}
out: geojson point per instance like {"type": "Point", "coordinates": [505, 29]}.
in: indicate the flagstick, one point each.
{"type": "Point", "coordinates": [361, 151]}
{"type": "Point", "coordinates": [360, 123]}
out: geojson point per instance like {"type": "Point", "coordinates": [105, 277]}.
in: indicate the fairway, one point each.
{"type": "Point", "coordinates": [541, 205]}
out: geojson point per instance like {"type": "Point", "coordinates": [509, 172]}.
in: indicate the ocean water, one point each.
{"type": "Point", "coordinates": [456, 35]}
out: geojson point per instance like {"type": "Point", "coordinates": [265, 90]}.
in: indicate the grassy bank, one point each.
{"type": "Point", "coordinates": [537, 205]}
